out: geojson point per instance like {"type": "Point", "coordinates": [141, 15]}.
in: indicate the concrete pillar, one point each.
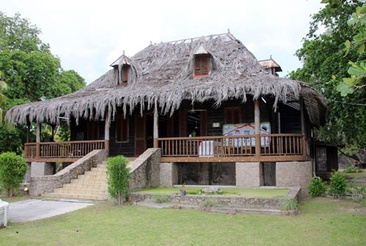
{"type": "Point", "coordinates": [168, 174]}
{"type": "Point", "coordinates": [294, 174]}
{"type": "Point", "coordinates": [41, 169]}
{"type": "Point", "coordinates": [249, 174]}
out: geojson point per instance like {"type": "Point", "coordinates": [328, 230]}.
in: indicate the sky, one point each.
{"type": "Point", "coordinates": [88, 36]}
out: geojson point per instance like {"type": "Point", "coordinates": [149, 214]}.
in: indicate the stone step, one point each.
{"type": "Point", "coordinates": [92, 186]}
{"type": "Point", "coordinates": [78, 196]}
{"type": "Point", "coordinates": [62, 191]}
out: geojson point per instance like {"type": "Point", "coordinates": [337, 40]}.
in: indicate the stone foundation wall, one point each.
{"type": "Point", "coordinates": [206, 173]}
{"type": "Point", "coordinates": [145, 170]}
{"type": "Point", "coordinates": [294, 174]}
{"type": "Point", "coordinates": [168, 174]}
{"type": "Point", "coordinates": [40, 185]}
{"type": "Point", "coordinates": [249, 174]}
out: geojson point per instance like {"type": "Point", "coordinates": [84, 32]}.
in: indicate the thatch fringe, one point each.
{"type": "Point", "coordinates": [162, 77]}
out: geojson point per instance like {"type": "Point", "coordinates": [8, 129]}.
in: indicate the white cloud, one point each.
{"type": "Point", "coordinates": [89, 35]}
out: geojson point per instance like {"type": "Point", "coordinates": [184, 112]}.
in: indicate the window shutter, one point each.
{"type": "Point", "coordinates": [125, 73]}
{"type": "Point", "coordinates": [202, 64]}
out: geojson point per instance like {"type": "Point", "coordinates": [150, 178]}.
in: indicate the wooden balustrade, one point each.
{"type": "Point", "coordinates": [61, 151]}
{"type": "Point", "coordinates": [232, 146]}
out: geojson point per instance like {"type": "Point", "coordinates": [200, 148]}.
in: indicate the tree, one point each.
{"type": "Point", "coordinates": [12, 171]}
{"type": "Point", "coordinates": [3, 87]}
{"type": "Point", "coordinates": [29, 67]}
{"type": "Point", "coordinates": [118, 176]}
{"type": "Point", "coordinates": [357, 68]}
{"type": "Point", "coordinates": [30, 70]}
{"type": "Point", "coordinates": [323, 55]}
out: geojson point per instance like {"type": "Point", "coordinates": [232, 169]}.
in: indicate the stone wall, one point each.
{"type": "Point", "coordinates": [249, 174]}
{"type": "Point", "coordinates": [168, 174]}
{"type": "Point", "coordinates": [40, 185]}
{"type": "Point", "coordinates": [294, 174]}
{"type": "Point", "coordinates": [220, 200]}
{"type": "Point", "coordinates": [145, 170]}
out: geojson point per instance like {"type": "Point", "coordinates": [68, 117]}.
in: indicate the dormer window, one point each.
{"type": "Point", "coordinates": [202, 65]}
{"type": "Point", "coordinates": [122, 75]}
{"type": "Point", "coordinates": [125, 74]}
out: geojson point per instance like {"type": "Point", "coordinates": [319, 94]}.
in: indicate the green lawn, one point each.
{"type": "Point", "coordinates": [255, 192]}
{"type": "Point", "coordinates": [322, 221]}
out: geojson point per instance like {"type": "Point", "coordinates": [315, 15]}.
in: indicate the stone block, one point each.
{"type": "Point", "coordinates": [249, 174]}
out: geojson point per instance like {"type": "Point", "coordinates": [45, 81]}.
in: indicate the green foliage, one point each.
{"type": "Point", "coordinates": [159, 198]}
{"type": "Point", "coordinates": [350, 169]}
{"type": "Point", "coordinates": [12, 170]}
{"type": "Point", "coordinates": [357, 69]}
{"type": "Point", "coordinates": [357, 192]}
{"type": "Point", "coordinates": [208, 203]}
{"type": "Point", "coordinates": [338, 184]}
{"type": "Point", "coordinates": [30, 70]}
{"type": "Point", "coordinates": [316, 187]}
{"type": "Point", "coordinates": [12, 139]}
{"type": "Point", "coordinates": [118, 176]}
{"type": "Point", "coordinates": [325, 64]}
{"type": "Point", "coordinates": [290, 205]}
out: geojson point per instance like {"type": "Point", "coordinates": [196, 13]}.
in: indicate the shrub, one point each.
{"type": "Point", "coordinates": [357, 193]}
{"type": "Point", "coordinates": [290, 205]}
{"type": "Point", "coordinates": [12, 171]}
{"type": "Point", "coordinates": [350, 169]}
{"type": "Point", "coordinates": [208, 203]}
{"type": "Point", "coordinates": [118, 176]}
{"type": "Point", "coordinates": [338, 184]}
{"type": "Point", "coordinates": [158, 198]}
{"type": "Point", "coordinates": [316, 187]}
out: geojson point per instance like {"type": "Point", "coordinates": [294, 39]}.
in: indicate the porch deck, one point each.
{"type": "Point", "coordinates": [239, 148]}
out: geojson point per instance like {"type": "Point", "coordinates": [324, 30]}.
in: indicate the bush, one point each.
{"type": "Point", "coordinates": [338, 184]}
{"type": "Point", "coordinates": [160, 198]}
{"type": "Point", "coordinates": [12, 171]}
{"type": "Point", "coordinates": [350, 169]}
{"type": "Point", "coordinates": [316, 187]}
{"type": "Point", "coordinates": [118, 176]}
{"type": "Point", "coordinates": [290, 204]}
{"type": "Point", "coordinates": [357, 193]}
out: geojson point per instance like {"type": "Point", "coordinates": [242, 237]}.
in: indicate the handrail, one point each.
{"type": "Point", "coordinates": [231, 146]}
{"type": "Point", "coordinates": [74, 149]}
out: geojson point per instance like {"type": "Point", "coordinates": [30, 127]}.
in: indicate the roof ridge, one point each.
{"type": "Point", "coordinates": [191, 40]}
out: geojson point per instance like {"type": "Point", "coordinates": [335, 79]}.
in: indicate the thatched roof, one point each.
{"type": "Point", "coordinates": [162, 76]}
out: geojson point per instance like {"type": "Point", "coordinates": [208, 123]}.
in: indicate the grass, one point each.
{"type": "Point", "coordinates": [225, 191]}
{"type": "Point", "coordinates": [322, 221]}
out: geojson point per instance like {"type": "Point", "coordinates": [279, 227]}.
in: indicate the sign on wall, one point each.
{"type": "Point", "coordinates": [247, 129]}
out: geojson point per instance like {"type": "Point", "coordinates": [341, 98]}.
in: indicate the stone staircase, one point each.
{"type": "Point", "coordinates": [90, 186]}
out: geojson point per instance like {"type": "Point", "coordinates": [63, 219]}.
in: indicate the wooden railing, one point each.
{"type": "Point", "coordinates": [233, 146]}
{"type": "Point", "coordinates": [61, 150]}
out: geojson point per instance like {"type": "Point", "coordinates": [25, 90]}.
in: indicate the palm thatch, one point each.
{"type": "Point", "coordinates": [162, 77]}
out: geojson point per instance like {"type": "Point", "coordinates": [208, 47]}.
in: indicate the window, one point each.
{"type": "Point", "coordinates": [122, 77]}
{"type": "Point", "coordinates": [202, 65]}
{"type": "Point", "coordinates": [121, 128]}
{"type": "Point", "coordinates": [125, 74]}
{"type": "Point", "coordinates": [232, 115]}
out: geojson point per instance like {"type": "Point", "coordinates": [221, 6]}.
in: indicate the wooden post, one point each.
{"type": "Point", "coordinates": [304, 145]}
{"type": "Point", "coordinates": [38, 139]}
{"type": "Point", "coordinates": [156, 127]}
{"type": "Point", "coordinates": [257, 123]}
{"type": "Point", "coordinates": [107, 125]}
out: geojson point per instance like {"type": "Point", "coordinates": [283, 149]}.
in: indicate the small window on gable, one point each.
{"type": "Point", "coordinates": [125, 74]}
{"type": "Point", "coordinates": [202, 65]}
